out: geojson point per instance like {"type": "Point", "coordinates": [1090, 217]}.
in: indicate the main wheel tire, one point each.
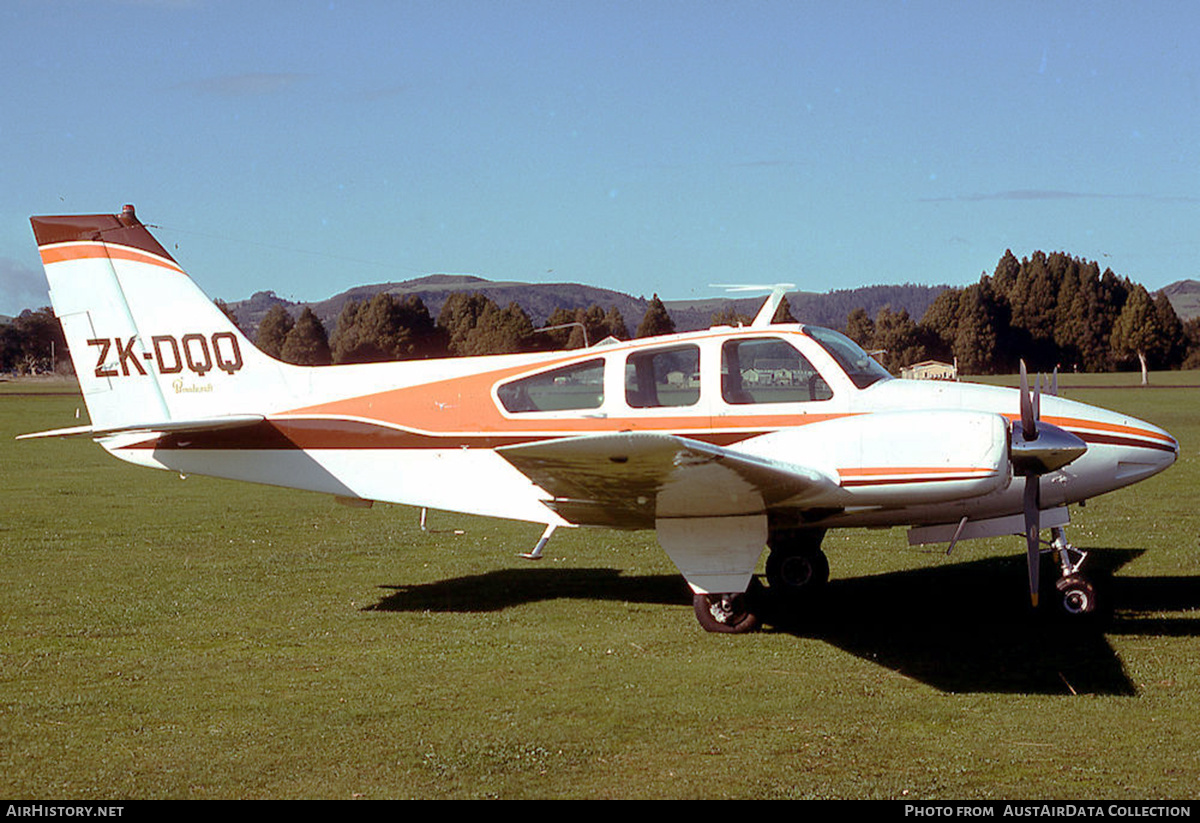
{"type": "Point", "coordinates": [724, 613]}
{"type": "Point", "coordinates": [793, 574]}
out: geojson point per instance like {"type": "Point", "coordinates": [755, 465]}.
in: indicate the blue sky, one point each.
{"type": "Point", "coordinates": [305, 147]}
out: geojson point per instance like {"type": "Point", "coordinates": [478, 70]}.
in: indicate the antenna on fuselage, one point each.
{"type": "Point", "coordinates": [767, 313]}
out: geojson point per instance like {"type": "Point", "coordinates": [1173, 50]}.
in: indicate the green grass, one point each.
{"type": "Point", "coordinates": [204, 639]}
{"type": "Point", "coordinates": [39, 385]}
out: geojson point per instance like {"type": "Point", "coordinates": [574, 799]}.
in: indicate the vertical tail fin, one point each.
{"type": "Point", "coordinates": [147, 344]}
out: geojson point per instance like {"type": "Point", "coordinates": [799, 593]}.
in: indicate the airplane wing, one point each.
{"type": "Point", "coordinates": [225, 421]}
{"type": "Point", "coordinates": [629, 479]}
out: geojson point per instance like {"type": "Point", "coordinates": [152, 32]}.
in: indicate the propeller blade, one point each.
{"type": "Point", "coordinates": [1037, 398]}
{"type": "Point", "coordinates": [1028, 419]}
{"type": "Point", "coordinates": [1032, 530]}
{"type": "Point", "coordinates": [1054, 382]}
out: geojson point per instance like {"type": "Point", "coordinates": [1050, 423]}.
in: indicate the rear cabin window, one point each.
{"type": "Point", "coordinates": [579, 386]}
{"type": "Point", "coordinates": [768, 370]}
{"type": "Point", "coordinates": [663, 377]}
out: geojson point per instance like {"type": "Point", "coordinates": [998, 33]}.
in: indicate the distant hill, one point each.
{"type": "Point", "coordinates": [1185, 298]}
{"type": "Point", "coordinates": [819, 309]}
{"type": "Point", "coordinates": [539, 300]}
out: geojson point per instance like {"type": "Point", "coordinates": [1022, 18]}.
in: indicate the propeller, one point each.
{"type": "Point", "coordinates": [1038, 448]}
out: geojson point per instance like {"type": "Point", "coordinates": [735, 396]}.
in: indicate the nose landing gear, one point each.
{"type": "Point", "coordinates": [1076, 593]}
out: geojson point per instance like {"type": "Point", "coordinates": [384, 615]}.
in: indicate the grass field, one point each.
{"type": "Point", "coordinates": [167, 638]}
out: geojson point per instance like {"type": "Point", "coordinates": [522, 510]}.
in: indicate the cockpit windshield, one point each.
{"type": "Point", "coordinates": [860, 367]}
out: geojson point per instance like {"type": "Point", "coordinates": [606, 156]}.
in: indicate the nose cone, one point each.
{"type": "Point", "coordinates": [1143, 450]}
{"type": "Point", "coordinates": [1130, 449]}
{"type": "Point", "coordinates": [1121, 449]}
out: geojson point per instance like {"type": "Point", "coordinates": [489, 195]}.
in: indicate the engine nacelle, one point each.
{"type": "Point", "coordinates": [899, 458]}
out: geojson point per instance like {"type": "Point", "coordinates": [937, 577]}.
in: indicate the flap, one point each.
{"type": "Point", "coordinates": [630, 479]}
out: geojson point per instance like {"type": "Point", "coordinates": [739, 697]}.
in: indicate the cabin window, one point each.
{"type": "Point", "coordinates": [859, 366]}
{"type": "Point", "coordinates": [578, 386]}
{"type": "Point", "coordinates": [663, 377]}
{"type": "Point", "coordinates": [768, 370]}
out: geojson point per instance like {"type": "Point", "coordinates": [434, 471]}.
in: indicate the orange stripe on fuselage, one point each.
{"type": "Point", "coordinates": [908, 470]}
{"type": "Point", "coordinates": [1077, 423]}
{"type": "Point", "coordinates": [908, 475]}
{"type": "Point", "coordinates": [465, 404]}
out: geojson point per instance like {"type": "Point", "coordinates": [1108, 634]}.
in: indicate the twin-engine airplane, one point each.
{"type": "Point", "coordinates": [723, 441]}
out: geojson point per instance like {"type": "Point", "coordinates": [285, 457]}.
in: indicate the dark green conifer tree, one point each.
{"type": "Point", "coordinates": [458, 317]}
{"type": "Point", "coordinates": [656, 321]}
{"type": "Point", "coordinates": [783, 312]}
{"type": "Point", "coordinates": [1136, 332]}
{"type": "Point", "coordinates": [385, 328]}
{"type": "Point", "coordinates": [273, 330]}
{"type": "Point", "coordinates": [306, 344]}
{"type": "Point", "coordinates": [500, 331]}
{"type": "Point", "coordinates": [976, 336]}
{"type": "Point", "coordinates": [614, 324]}
{"type": "Point", "coordinates": [861, 328]}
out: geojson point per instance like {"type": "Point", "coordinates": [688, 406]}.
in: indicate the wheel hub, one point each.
{"type": "Point", "coordinates": [797, 571]}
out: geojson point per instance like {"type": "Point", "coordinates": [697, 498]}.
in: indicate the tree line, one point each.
{"type": "Point", "coordinates": [1051, 310]}
{"type": "Point", "coordinates": [387, 327]}
{"type": "Point", "coordinates": [32, 343]}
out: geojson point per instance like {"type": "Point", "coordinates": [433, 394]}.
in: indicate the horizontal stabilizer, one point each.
{"type": "Point", "coordinates": [225, 421]}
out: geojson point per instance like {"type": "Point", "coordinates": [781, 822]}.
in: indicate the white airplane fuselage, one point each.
{"type": "Point", "coordinates": [426, 434]}
{"type": "Point", "coordinates": [722, 440]}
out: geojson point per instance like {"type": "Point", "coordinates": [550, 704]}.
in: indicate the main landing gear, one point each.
{"type": "Point", "coordinates": [728, 613]}
{"type": "Point", "coordinates": [796, 570]}
{"type": "Point", "coordinates": [796, 566]}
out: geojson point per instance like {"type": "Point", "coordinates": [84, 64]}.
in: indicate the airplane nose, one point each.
{"type": "Point", "coordinates": [1147, 451]}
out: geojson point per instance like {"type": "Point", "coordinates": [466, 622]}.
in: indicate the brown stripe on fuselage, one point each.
{"type": "Point", "coordinates": [1113, 440]}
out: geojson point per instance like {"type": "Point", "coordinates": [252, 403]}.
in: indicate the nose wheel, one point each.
{"type": "Point", "coordinates": [1076, 593]}
{"type": "Point", "coordinates": [1077, 596]}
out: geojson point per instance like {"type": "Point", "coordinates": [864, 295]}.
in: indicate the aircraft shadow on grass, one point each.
{"type": "Point", "coordinates": [965, 627]}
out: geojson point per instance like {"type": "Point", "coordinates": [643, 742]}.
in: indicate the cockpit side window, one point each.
{"type": "Point", "coordinates": [578, 386]}
{"type": "Point", "coordinates": [768, 370]}
{"type": "Point", "coordinates": [663, 377]}
{"type": "Point", "coordinates": [859, 366]}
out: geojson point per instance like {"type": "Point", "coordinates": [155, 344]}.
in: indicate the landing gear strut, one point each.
{"type": "Point", "coordinates": [1077, 595]}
